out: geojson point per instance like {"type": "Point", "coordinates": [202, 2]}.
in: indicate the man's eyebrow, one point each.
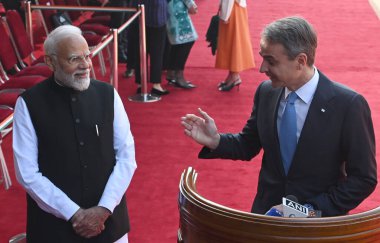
{"type": "Point", "coordinates": [267, 56]}
{"type": "Point", "coordinates": [74, 55]}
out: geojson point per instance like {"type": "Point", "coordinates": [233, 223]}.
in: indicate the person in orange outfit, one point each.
{"type": "Point", "coordinates": [234, 52]}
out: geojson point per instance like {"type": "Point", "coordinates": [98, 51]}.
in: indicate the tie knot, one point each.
{"type": "Point", "coordinates": [292, 97]}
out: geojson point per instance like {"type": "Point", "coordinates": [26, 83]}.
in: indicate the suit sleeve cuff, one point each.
{"type": "Point", "coordinates": [207, 153]}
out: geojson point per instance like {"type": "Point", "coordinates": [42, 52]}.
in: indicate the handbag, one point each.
{"type": "Point", "coordinates": [212, 33]}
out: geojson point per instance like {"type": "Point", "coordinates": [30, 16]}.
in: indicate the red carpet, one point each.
{"type": "Point", "coordinates": [348, 52]}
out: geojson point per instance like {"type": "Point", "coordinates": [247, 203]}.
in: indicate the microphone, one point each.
{"type": "Point", "coordinates": [277, 213]}
{"type": "Point", "coordinates": [292, 197]}
{"type": "Point", "coordinates": [274, 212]}
{"type": "Point", "coordinates": [292, 209]}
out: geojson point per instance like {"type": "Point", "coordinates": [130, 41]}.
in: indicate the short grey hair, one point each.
{"type": "Point", "coordinates": [295, 34]}
{"type": "Point", "coordinates": [57, 35]}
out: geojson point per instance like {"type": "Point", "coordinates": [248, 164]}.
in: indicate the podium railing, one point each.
{"type": "Point", "coordinates": [202, 220]}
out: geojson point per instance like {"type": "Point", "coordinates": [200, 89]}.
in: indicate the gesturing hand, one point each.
{"type": "Point", "coordinates": [90, 222]}
{"type": "Point", "coordinates": [202, 129]}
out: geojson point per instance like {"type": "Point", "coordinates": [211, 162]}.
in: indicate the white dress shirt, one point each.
{"type": "Point", "coordinates": [49, 197]}
{"type": "Point", "coordinates": [302, 104]}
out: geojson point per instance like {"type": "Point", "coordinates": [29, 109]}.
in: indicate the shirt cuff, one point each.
{"type": "Point", "coordinates": [107, 204]}
{"type": "Point", "coordinates": [68, 211]}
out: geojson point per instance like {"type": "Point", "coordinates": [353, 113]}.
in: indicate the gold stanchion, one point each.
{"type": "Point", "coordinates": [144, 96]}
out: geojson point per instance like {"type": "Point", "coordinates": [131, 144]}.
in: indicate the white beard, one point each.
{"type": "Point", "coordinates": [69, 80]}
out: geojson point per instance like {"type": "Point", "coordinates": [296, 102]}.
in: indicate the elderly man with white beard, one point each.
{"type": "Point", "coordinates": [73, 148]}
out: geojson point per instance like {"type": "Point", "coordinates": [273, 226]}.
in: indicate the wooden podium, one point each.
{"type": "Point", "coordinates": [203, 221]}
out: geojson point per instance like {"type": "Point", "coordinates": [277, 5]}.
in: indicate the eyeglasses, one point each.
{"type": "Point", "coordinates": [77, 59]}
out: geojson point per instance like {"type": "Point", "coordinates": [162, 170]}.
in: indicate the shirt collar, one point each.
{"type": "Point", "coordinates": [306, 92]}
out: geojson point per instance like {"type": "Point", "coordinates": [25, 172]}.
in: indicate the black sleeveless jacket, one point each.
{"type": "Point", "coordinates": [75, 152]}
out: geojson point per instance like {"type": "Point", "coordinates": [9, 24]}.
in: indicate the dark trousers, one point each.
{"type": "Point", "coordinates": [11, 4]}
{"type": "Point", "coordinates": [176, 55]}
{"type": "Point", "coordinates": [117, 18]}
{"type": "Point", "coordinates": [14, 4]}
{"type": "Point", "coordinates": [133, 45]}
{"type": "Point", "coordinates": [155, 46]}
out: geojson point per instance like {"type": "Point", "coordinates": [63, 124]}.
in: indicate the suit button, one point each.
{"type": "Point", "coordinates": [73, 99]}
{"type": "Point", "coordinates": [77, 120]}
{"type": "Point", "coordinates": [85, 166]}
{"type": "Point", "coordinates": [81, 143]}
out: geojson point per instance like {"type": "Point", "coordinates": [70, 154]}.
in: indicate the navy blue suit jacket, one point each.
{"type": "Point", "coordinates": [334, 166]}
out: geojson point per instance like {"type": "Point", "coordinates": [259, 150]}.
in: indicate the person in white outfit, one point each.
{"type": "Point", "coordinates": [73, 149]}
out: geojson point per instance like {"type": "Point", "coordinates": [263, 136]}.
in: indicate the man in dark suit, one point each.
{"type": "Point", "coordinates": [332, 167]}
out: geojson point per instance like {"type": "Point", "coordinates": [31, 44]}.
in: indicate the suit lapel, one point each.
{"type": "Point", "coordinates": [268, 100]}
{"type": "Point", "coordinates": [273, 108]}
{"type": "Point", "coordinates": [317, 117]}
{"type": "Point", "coordinates": [277, 94]}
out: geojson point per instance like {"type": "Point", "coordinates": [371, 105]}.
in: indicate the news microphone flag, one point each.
{"type": "Point", "coordinates": [292, 209]}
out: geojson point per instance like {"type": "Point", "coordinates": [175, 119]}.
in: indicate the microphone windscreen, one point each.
{"type": "Point", "coordinates": [292, 197]}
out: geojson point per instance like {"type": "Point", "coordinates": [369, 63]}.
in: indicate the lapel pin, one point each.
{"type": "Point", "coordinates": [323, 110]}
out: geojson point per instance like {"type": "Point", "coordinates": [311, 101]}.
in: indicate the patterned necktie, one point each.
{"type": "Point", "coordinates": [288, 132]}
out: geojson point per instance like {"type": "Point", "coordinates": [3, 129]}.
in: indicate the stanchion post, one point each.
{"type": "Point", "coordinates": [144, 77]}
{"type": "Point", "coordinates": [115, 77]}
{"type": "Point", "coordinates": [28, 18]}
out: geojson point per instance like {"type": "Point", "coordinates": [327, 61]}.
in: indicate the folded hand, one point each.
{"type": "Point", "coordinates": [90, 222]}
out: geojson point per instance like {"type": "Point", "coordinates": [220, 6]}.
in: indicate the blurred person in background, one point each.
{"type": "Point", "coordinates": [18, 5]}
{"type": "Point", "coordinates": [181, 38]}
{"type": "Point", "coordinates": [234, 52]}
{"type": "Point", "coordinates": [156, 16]}
{"type": "Point", "coordinates": [117, 19]}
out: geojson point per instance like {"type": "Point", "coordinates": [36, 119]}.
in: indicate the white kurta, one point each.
{"type": "Point", "coordinates": [49, 197]}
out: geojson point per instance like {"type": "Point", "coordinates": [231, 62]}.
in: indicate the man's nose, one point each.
{"type": "Point", "coordinates": [263, 67]}
{"type": "Point", "coordinates": [85, 63]}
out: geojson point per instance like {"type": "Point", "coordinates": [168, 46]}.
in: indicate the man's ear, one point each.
{"type": "Point", "coordinates": [49, 62]}
{"type": "Point", "coordinates": [302, 59]}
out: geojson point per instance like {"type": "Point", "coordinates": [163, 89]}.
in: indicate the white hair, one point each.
{"type": "Point", "coordinates": [57, 35]}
